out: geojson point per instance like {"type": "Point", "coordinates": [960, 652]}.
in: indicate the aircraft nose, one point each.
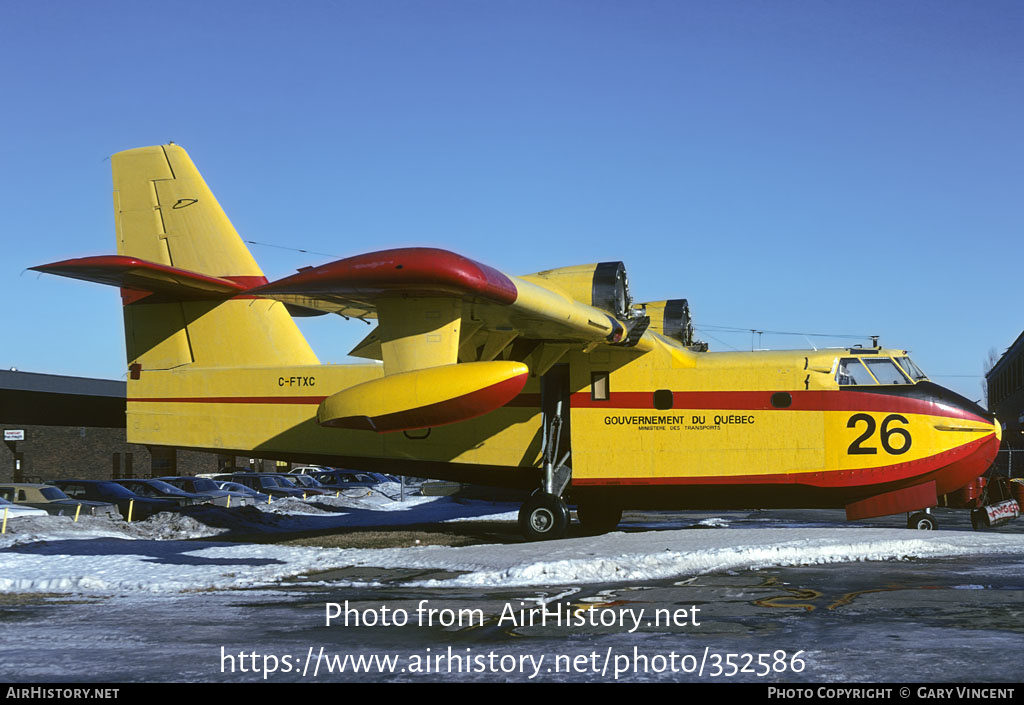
{"type": "Point", "coordinates": [935, 394]}
{"type": "Point", "coordinates": [970, 454]}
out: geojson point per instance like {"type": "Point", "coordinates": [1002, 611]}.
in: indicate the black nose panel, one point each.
{"type": "Point", "coordinates": [932, 393]}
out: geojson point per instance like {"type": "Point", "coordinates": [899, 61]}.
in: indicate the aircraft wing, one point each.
{"type": "Point", "coordinates": [436, 307]}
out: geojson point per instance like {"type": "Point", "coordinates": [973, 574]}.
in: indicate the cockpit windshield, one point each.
{"type": "Point", "coordinates": [886, 371]}
{"type": "Point", "coordinates": [853, 371]}
{"type": "Point", "coordinates": [911, 369]}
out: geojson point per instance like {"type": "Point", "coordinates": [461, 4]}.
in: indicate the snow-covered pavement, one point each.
{"type": "Point", "coordinates": [161, 555]}
{"type": "Point", "coordinates": [664, 554]}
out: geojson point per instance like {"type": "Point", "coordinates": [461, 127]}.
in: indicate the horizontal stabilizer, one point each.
{"type": "Point", "coordinates": [144, 276]}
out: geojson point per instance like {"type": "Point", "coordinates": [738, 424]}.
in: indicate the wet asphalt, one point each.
{"type": "Point", "coordinates": [937, 620]}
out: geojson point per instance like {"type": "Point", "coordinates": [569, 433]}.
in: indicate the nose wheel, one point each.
{"type": "Point", "coordinates": [544, 516]}
{"type": "Point", "coordinates": [922, 521]}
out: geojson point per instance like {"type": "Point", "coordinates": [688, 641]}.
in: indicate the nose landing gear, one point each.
{"type": "Point", "coordinates": [922, 521]}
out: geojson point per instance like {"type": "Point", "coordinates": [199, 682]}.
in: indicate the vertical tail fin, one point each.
{"type": "Point", "coordinates": [167, 214]}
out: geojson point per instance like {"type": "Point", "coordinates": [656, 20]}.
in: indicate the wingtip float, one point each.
{"type": "Point", "coordinates": [428, 398]}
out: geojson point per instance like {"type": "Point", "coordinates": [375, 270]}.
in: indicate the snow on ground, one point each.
{"type": "Point", "coordinates": [93, 555]}
{"type": "Point", "coordinates": [160, 555]}
{"type": "Point", "coordinates": [352, 509]}
{"type": "Point", "coordinates": [663, 554]}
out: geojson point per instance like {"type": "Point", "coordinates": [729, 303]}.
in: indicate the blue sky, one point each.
{"type": "Point", "coordinates": [822, 167]}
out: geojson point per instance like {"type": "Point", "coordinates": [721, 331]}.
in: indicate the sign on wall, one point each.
{"type": "Point", "coordinates": [14, 435]}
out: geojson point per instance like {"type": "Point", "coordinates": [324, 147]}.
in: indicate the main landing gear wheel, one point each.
{"type": "Point", "coordinates": [598, 518]}
{"type": "Point", "coordinates": [544, 516]}
{"type": "Point", "coordinates": [922, 521]}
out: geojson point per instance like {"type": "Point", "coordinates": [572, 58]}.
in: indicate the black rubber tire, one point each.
{"type": "Point", "coordinates": [979, 519]}
{"type": "Point", "coordinates": [544, 516]}
{"type": "Point", "coordinates": [922, 521]}
{"type": "Point", "coordinates": [598, 517]}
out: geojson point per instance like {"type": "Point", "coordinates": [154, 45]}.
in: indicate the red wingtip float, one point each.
{"type": "Point", "coordinates": [555, 380]}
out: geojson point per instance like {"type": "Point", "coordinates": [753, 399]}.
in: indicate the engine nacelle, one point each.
{"type": "Point", "coordinates": [603, 285]}
{"type": "Point", "coordinates": [671, 318]}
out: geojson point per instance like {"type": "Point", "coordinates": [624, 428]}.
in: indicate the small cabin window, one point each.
{"type": "Point", "coordinates": [663, 399]}
{"type": "Point", "coordinates": [782, 400]}
{"type": "Point", "coordinates": [599, 390]}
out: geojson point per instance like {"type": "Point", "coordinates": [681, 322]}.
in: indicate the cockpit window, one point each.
{"type": "Point", "coordinates": [911, 369]}
{"type": "Point", "coordinates": [870, 370]}
{"type": "Point", "coordinates": [851, 371]}
{"type": "Point", "coordinates": [886, 371]}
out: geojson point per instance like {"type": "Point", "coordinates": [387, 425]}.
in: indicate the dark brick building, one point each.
{"type": "Point", "coordinates": [56, 426]}
{"type": "Point", "coordinates": [1005, 383]}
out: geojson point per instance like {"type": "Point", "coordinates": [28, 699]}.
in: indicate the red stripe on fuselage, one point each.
{"type": "Point", "coordinates": [231, 400]}
{"type": "Point", "coordinates": [817, 400]}
{"type": "Point", "coordinates": [726, 401]}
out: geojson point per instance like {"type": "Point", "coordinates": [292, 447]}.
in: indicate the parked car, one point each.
{"type": "Point", "coordinates": [16, 510]}
{"type": "Point", "coordinates": [307, 484]}
{"type": "Point", "coordinates": [257, 497]}
{"type": "Point", "coordinates": [54, 501]}
{"type": "Point", "coordinates": [160, 489]}
{"type": "Point", "coordinates": [263, 482]}
{"type": "Point", "coordinates": [105, 491]}
{"type": "Point", "coordinates": [207, 487]}
{"type": "Point", "coordinates": [347, 479]}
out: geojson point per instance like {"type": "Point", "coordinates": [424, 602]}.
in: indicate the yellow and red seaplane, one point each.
{"type": "Point", "coordinates": [555, 381]}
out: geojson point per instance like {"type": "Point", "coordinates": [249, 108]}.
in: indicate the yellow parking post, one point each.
{"type": "Point", "coordinates": [268, 499]}
{"type": "Point", "coordinates": [229, 502]}
{"type": "Point", "coordinates": [78, 510]}
{"type": "Point", "coordinates": [4, 530]}
{"type": "Point", "coordinates": [303, 495]}
{"type": "Point", "coordinates": [131, 506]}
{"type": "Point", "coordinates": [337, 494]}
